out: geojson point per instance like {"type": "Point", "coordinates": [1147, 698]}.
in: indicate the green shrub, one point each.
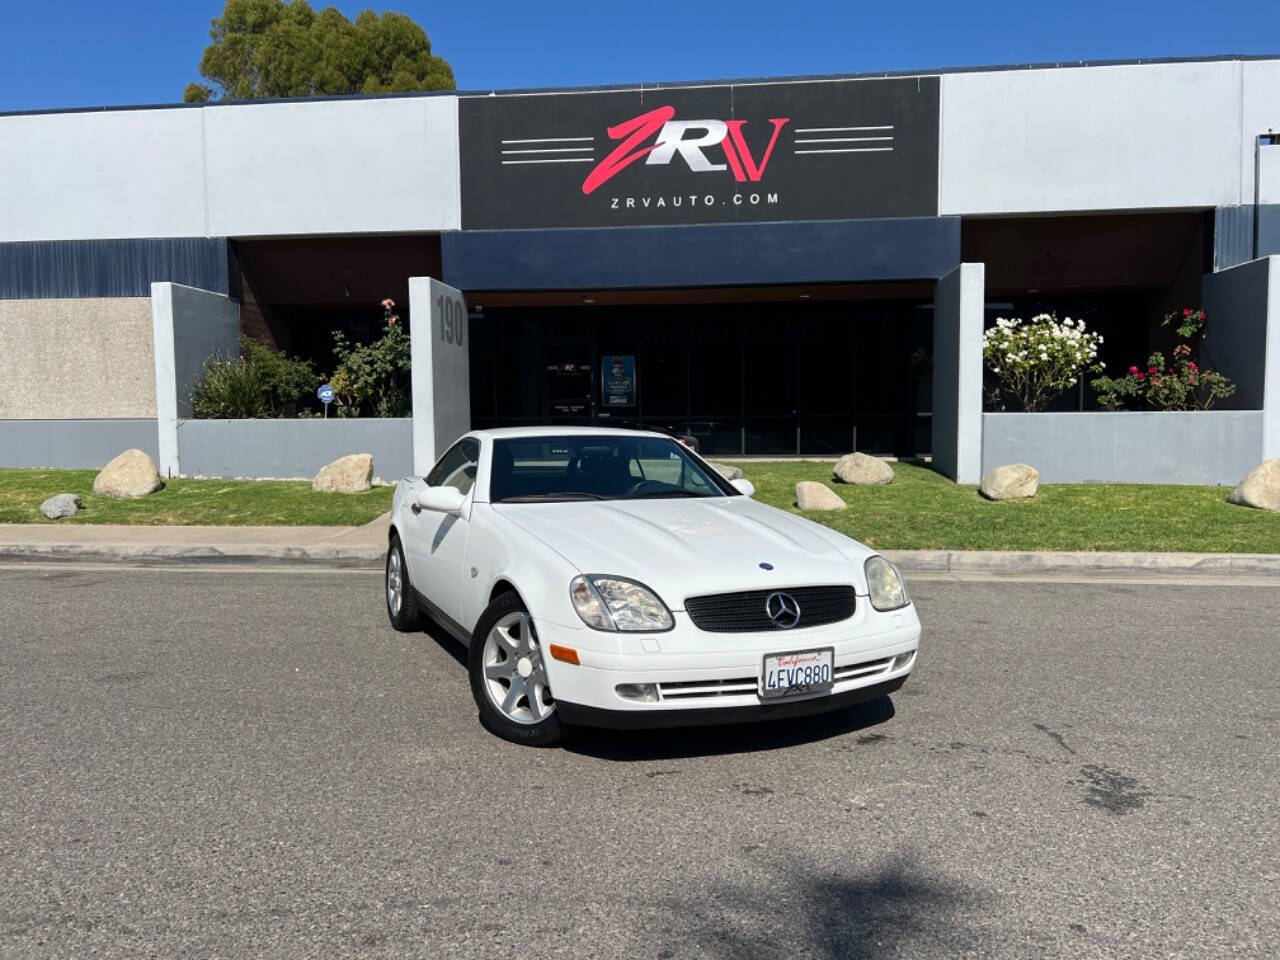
{"type": "Point", "coordinates": [259, 383]}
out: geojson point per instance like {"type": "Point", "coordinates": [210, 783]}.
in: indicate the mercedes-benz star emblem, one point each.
{"type": "Point", "coordinates": [782, 609]}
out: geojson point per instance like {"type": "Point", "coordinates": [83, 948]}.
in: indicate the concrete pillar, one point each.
{"type": "Point", "coordinates": [1271, 387]}
{"type": "Point", "coordinates": [1243, 303]}
{"type": "Point", "coordinates": [439, 350]}
{"type": "Point", "coordinates": [188, 326]}
{"type": "Point", "coordinates": [958, 307]}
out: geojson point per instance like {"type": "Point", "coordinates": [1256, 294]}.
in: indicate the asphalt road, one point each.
{"type": "Point", "coordinates": [224, 763]}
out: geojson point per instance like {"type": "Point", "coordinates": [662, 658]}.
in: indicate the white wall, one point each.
{"type": "Point", "coordinates": [1259, 112]}
{"type": "Point", "coordinates": [280, 169]}
{"type": "Point", "coordinates": [333, 166]}
{"type": "Point", "coordinates": [1098, 138]}
{"type": "Point", "coordinates": [94, 176]}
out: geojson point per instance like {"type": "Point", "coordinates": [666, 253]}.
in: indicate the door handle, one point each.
{"type": "Point", "coordinates": [415, 508]}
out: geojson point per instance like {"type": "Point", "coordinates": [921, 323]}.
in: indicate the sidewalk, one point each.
{"type": "Point", "coordinates": [366, 547]}
{"type": "Point", "coordinates": [334, 546]}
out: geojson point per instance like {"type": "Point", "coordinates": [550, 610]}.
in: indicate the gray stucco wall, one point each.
{"type": "Point", "coordinates": [73, 444]}
{"type": "Point", "coordinates": [1210, 447]}
{"type": "Point", "coordinates": [1236, 301]}
{"type": "Point", "coordinates": [292, 448]}
{"type": "Point", "coordinates": [957, 372]}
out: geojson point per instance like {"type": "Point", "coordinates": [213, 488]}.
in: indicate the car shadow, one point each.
{"type": "Point", "coordinates": [682, 743]}
{"type": "Point", "coordinates": [446, 641]}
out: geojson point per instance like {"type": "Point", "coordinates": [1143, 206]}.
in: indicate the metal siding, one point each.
{"type": "Point", "coordinates": [1232, 236]}
{"type": "Point", "coordinates": [53, 269]}
{"type": "Point", "coordinates": [835, 251]}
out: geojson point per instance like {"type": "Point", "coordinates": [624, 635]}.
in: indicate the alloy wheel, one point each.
{"type": "Point", "coordinates": [395, 582]}
{"type": "Point", "coordinates": [515, 677]}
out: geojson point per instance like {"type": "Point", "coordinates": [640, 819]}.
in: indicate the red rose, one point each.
{"type": "Point", "coordinates": [1133, 369]}
{"type": "Point", "coordinates": [1153, 370]}
{"type": "Point", "coordinates": [1186, 313]}
{"type": "Point", "coordinates": [1142, 376]}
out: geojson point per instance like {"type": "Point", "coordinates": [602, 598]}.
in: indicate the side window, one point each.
{"type": "Point", "coordinates": [457, 468]}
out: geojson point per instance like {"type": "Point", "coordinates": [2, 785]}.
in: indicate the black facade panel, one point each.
{"type": "Point", "coordinates": [53, 269]}
{"type": "Point", "coordinates": [1268, 229]}
{"type": "Point", "coordinates": [711, 153]}
{"type": "Point", "coordinates": [835, 251]}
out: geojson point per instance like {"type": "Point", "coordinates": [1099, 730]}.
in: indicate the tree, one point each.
{"type": "Point", "coordinates": [276, 48]}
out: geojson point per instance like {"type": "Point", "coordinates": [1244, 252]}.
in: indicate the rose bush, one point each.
{"type": "Point", "coordinates": [1180, 385]}
{"type": "Point", "coordinates": [1038, 360]}
{"type": "Point", "coordinates": [373, 378]}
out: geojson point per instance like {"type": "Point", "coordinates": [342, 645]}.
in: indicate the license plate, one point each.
{"type": "Point", "coordinates": [797, 674]}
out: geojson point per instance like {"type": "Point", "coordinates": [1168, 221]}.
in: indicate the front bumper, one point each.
{"type": "Point", "coordinates": [764, 710]}
{"type": "Point", "coordinates": [712, 678]}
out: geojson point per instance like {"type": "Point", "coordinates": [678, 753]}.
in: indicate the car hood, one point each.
{"type": "Point", "coordinates": [688, 547]}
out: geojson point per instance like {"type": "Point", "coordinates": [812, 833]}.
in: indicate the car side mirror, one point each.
{"type": "Point", "coordinates": [441, 499]}
{"type": "Point", "coordinates": [744, 486]}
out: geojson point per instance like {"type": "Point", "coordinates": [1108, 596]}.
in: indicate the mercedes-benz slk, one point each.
{"type": "Point", "coordinates": [614, 578]}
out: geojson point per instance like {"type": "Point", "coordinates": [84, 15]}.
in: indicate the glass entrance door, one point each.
{"type": "Point", "coordinates": [569, 395]}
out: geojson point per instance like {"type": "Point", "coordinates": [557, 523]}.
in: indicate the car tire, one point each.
{"type": "Point", "coordinates": [505, 654]}
{"type": "Point", "coordinates": [402, 601]}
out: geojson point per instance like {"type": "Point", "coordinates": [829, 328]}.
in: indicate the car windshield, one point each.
{"type": "Point", "coordinates": [541, 469]}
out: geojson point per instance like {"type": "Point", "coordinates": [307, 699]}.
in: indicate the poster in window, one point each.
{"type": "Point", "coordinates": [618, 381]}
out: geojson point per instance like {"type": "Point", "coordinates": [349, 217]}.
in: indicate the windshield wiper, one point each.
{"type": "Point", "coordinates": [667, 493]}
{"type": "Point", "coordinates": [563, 495]}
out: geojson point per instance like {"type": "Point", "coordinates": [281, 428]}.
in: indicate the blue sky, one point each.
{"type": "Point", "coordinates": [76, 53]}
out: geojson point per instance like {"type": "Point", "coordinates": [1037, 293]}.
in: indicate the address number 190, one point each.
{"type": "Point", "coordinates": [453, 318]}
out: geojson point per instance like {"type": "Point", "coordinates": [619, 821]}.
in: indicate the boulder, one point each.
{"type": "Point", "coordinates": [811, 495]}
{"type": "Point", "coordinates": [61, 505]}
{"type": "Point", "coordinates": [862, 469]}
{"type": "Point", "coordinates": [1017, 481]}
{"type": "Point", "coordinates": [350, 474]}
{"type": "Point", "coordinates": [130, 475]}
{"type": "Point", "coordinates": [728, 471]}
{"type": "Point", "coordinates": [1261, 488]}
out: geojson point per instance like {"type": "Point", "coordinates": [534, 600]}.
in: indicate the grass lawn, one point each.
{"type": "Point", "coordinates": [185, 502]}
{"type": "Point", "coordinates": [922, 510]}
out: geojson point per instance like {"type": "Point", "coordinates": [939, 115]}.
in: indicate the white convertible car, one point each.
{"type": "Point", "coordinates": [612, 578]}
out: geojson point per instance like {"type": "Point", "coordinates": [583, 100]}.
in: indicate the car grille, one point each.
{"type": "Point", "coordinates": [745, 612]}
{"type": "Point", "coordinates": [738, 686]}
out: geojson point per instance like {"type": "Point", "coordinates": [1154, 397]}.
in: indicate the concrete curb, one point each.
{"type": "Point", "coordinates": [1086, 564]}
{"type": "Point", "coordinates": [371, 555]}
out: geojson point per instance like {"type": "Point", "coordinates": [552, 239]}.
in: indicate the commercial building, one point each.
{"type": "Point", "coordinates": [775, 267]}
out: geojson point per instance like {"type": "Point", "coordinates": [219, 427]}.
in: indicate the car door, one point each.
{"type": "Point", "coordinates": [437, 542]}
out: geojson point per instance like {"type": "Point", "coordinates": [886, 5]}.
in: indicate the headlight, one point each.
{"type": "Point", "coordinates": [615, 603]}
{"type": "Point", "coordinates": [885, 585]}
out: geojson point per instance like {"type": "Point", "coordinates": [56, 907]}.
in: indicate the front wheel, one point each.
{"type": "Point", "coordinates": [402, 602]}
{"type": "Point", "coordinates": [509, 676]}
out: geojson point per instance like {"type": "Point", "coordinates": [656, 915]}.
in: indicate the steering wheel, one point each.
{"type": "Point", "coordinates": [644, 486]}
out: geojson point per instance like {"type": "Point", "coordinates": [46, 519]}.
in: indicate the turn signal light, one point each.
{"type": "Point", "coordinates": [564, 654]}
{"type": "Point", "coordinates": [902, 659]}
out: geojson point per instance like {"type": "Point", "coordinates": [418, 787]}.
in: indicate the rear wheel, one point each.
{"type": "Point", "coordinates": [402, 602]}
{"type": "Point", "coordinates": [509, 676]}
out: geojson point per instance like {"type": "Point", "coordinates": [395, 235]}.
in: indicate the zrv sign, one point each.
{"type": "Point", "coordinates": [805, 150]}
